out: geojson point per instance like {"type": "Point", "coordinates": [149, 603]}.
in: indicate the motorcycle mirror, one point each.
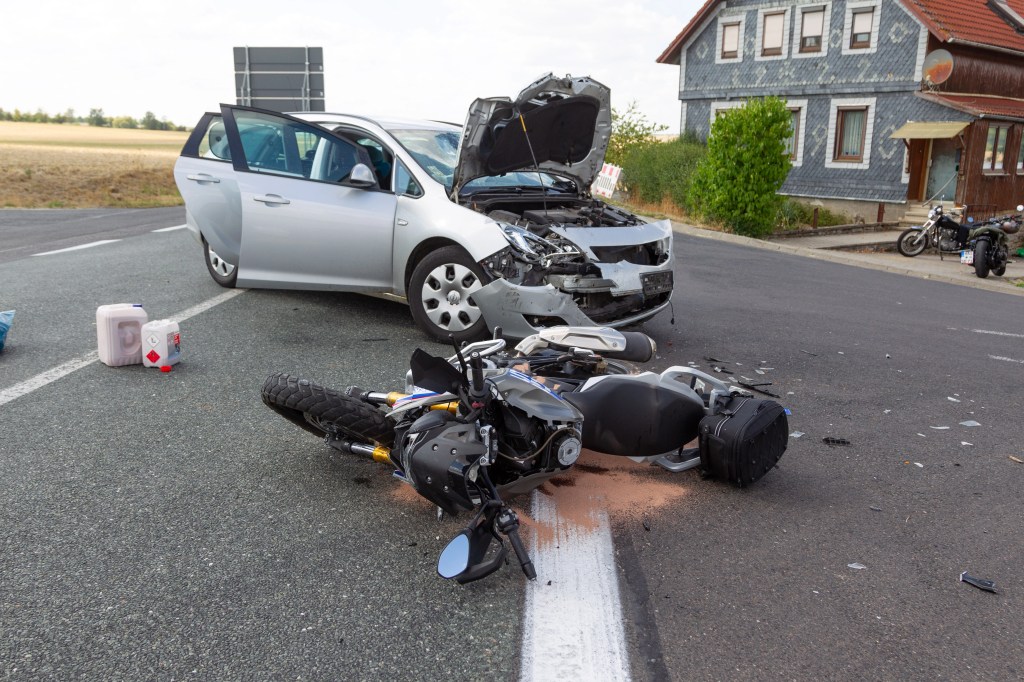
{"type": "Point", "coordinates": [454, 559]}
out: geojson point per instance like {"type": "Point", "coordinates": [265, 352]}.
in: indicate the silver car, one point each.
{"type": "Point", "coordinates": [491, 224]}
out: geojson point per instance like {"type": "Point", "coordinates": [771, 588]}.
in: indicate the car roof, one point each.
{"type": "Point", "coordinates": [385, 122]}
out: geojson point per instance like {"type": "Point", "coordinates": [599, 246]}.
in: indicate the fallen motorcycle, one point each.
{"type": "Point", "coordinates": [989, 244]}
{"type": "Point", "coordinates": [486, 424]}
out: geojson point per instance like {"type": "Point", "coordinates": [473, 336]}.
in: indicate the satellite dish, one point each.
{"type": "Point", "coordinates": [938, 67]}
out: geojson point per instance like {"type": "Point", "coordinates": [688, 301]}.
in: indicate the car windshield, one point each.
{"type": "Point", "coordinates": [436, 151]}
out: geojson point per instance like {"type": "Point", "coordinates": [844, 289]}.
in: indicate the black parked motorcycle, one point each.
{"type": "Point", "coordinates": [472, 430]}
{"type": "Point", "coordinates": [989, 244]}
{"type": "Point", "coordinates": [939, 231]}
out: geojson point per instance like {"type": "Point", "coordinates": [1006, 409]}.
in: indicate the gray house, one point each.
{"type": "Point", "coordinates": [883, 115]}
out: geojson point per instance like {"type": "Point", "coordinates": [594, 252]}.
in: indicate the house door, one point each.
{"type": "Point", "coordinates": [918, 160]}
{"type": "Point", "coordinates": [942, 175]}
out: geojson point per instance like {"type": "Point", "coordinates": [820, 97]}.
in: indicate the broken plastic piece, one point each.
{"type": "Point", "coordinates": [963, 442]}
{"type": "Point", "coordinates": [952, 399]}
{"type": "Point", "coordinates": [919, 465]}
{"type": "Point", "coordinates": [788, 411]}
{"type": "Point", "coordinates": [939, 428]}
{"type": "Point", "coordinates": [970, 422]}
{"type": "Point", "coordinates": [796, 434]}
{"type": "Point", "coordinates": [754, 387]}
{"type": "Point", "coordinates": [980, 583]}
{"type": "Point", "coordinates": [874, 508]}
{"type": "Point", "coordinates": [6, 317]}
{"type": "Point", "coordinates": [829, 440]}
{"type": "Point", "coordinates": [808, 352]}
{"type": "Point", "coordinates": [1018, 460]}
{"type": "Point", "coordinates": [856, 566]}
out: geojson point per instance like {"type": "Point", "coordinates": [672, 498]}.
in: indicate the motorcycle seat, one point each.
{"type": "Point", "coordinates": [630, 417]}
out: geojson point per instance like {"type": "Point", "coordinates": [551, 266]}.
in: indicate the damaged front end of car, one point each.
{"type": "Point", "coordinates": [614, 277]}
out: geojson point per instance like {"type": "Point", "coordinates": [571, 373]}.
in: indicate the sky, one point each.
{"type": "Point", "coordinates": [400, 57]}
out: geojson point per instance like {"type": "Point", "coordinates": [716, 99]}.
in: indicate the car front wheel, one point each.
{"type": "Point", "coordinates": [441, 295]}
{"type": "Point", "coordinates": [223, 272]}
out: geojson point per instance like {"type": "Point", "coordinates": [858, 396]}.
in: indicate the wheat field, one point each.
{"type": "Point", "coordinates": [46, 165]}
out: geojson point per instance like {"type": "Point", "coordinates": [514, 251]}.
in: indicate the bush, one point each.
{"type": "Point", "coordinates": [631, 131]}
{"type": "Point", "coordinates": [745, 166]}
{"type": "Point", "coordinates": [655, 172]}
{"type": "Point", "coordinates": [795, 214]}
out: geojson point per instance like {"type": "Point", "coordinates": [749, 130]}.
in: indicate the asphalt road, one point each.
{"type": "Point", "coordinates": [168, 526]}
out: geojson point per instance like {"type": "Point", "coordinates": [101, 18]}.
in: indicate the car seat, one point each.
{"type": "Point", "coordinates": [380, 165]}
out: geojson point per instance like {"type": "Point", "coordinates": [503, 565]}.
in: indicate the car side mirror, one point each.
{"type": "Point", "coordinates": [361, 176]}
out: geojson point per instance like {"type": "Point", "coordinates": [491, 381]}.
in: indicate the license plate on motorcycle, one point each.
{"type": "Point", "coordinates": [967, 257]}
{"type": "Point", "coordinates": [656, 282]}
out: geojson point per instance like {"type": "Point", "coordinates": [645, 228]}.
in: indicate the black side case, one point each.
{"type": "Point", "coordinates": [744, 440]}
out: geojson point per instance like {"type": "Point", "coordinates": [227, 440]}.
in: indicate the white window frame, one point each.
{"type": "Point", "coordinates": [876, 19]}
{"type": "Point", "coordinates": [724, 105]}
{"type": "Point", "coordinates": [784, 11]}
{"type": "Point", "coordinates": [723, 19]}
{"type": "Point", "coordinates": [798, 25]}
{"type": "Point", "coordinates": [801, 134]}
{"type": "Point", "coordinates": [834, 106]}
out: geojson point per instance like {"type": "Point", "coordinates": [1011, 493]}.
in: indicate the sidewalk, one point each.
{"type": "Point", "coordinates": [831, 248]}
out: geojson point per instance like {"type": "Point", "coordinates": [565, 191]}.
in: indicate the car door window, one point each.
{"type": "Point", "coordinates": [214, 142]}
{"type": "Point", "coordinates": [405, 184]}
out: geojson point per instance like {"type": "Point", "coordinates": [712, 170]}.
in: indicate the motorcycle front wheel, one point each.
{"type": "Point", "coordinates": [981, 259]}
{"type": "Point", "coordinates": [912, 242]}
{"type": "Point", "coordinates": [323, 411]}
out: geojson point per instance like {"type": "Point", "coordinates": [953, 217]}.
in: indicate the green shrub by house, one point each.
{"type": "Point", "coordinates": [653, 173]}
{"type": "Point", "coordinates": [746, 164]}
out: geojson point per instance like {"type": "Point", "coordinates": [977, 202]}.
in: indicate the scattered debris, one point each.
{"type": "Point", "coordinates": [842, 353]}
{"type": "Point", "coordinates": [759, 371]}
{"type": "Point", "coordinates": [922, 435]}
{"type": "Point", "coordinates": [963, 442]}
{"type": "Point", "coordinates": [647, 525]}
{"type": "Point", "coordinates": [809, 353]}
{"type": "Point", "coordinates": [874, 508]}
{"type": "Point", "coordinates": [887, 356]}
{"type": "Point", "coordinates": [829, 440]}
{"type": "Point", "coordinates": [919, 465]}
{"type": "Point", "coordinates": [980, 583]}
{"type": "Point", "coordinates": [711, 359]}
{"type": "Point", "coordinates": [886, 411]}
{"type": "Point", "coordinates": [970, 422]}
{"type": "Point", "coordinates": [754, 387]}
{"type": "Point", "coordinates": [856, 566]}
{"type": "Point", "coordinates": [939, 428]}
{"type": "Point", "coordinates": [1018, 460]}
{"type": "Point", "coordinates": [952, 399]}
{"type": "Point", "coordinates": [796, 434]}
{"type": "Point", "coordinates": [789, 412]}
{"type": "Point", "coordinates": [717, 369]}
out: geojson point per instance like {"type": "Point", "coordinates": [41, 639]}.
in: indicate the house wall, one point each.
{"type": "Point", "coordinates": [999, 191]}
{"type": "Point", "coordinates": [981, 71]}
{"type": "Point", "coordinates": [889, 75]}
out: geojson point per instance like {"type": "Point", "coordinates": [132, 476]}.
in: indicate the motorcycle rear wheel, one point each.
{"type": "Point", "coordinates": [912, 243]}
{"type": "Point", "coordinates": [323, 411]}
{"type": "Point", "coordinates": [981, 259]}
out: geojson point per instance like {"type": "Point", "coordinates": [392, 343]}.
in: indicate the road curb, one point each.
{"type": "Point", "coordinates": [846, 258]}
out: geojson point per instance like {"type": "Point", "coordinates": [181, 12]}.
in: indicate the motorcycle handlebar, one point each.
{"type": "Point", "coordinates": [524, 558]}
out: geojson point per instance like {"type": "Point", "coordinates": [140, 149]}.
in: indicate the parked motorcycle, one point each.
{"type": "Point", "coordinates": [940, 231]}
{"type": "Point", "coordinates": [474, 429]}
{"type": "Point", "coordinates": [989, 244]}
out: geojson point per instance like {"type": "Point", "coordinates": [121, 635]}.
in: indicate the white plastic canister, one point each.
{"type": "Point", "coordinates": [161, 343]}
{"type": "Point", "coordinates": [119, 333]}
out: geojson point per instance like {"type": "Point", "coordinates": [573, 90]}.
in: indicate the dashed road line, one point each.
{"type": "Point", "coordinates": [62, 370]}
{"type": "Point", "coordinates": [986, 331]}
{"type": "Point", "coordinates": [76, 248]}
{"type": "Point", "coordinates": [171, 229]}
{"type": "Point", "coordinates": [1004, 359]}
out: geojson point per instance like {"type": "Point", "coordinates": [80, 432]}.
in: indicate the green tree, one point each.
{"type": "Point", "coordinates": [630, 131]}
{"type": "Point", "coordinates": [96, 118]}
{"type": "Point", "coordinates": [150, 122]}
{"type": "Point", "coordinates": [745, 166]}
{"type": "Point", "coordinates": [124, 122]}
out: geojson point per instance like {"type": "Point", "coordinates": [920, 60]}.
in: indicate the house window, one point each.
{"type": "Point", "coordinates": [812, 24]}
{"type": "Point", "coordinates": [792, 143]}
{"type": "Point", "coordinates": [771, 34]}
{"type": "Point", "coordinates": [995, 147]}
{"type": "Point", "coordinates": [860, 33]}
{"type": "Point", "coordinates": [1020, 154]}
{"type": "Point", "coordinates": [851, 126]}
{"type": "Point", "coordinates": [730, 40]}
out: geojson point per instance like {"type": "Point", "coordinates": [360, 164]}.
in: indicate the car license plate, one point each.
{"type": "Point", "coordinates": [656, 282]}
{"type": "Point", "coordinates": [967, 257]}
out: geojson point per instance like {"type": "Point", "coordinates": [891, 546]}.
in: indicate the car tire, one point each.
{"type": "Point", "coordinates": [440, 295]}
{"type": "Point", "coordinates": [223, 272]}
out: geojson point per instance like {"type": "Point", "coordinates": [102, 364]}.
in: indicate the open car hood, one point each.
{"type": "Point", "coordinates": [568, 122]}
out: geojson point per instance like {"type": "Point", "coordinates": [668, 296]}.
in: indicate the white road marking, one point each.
{"type": "Point", "coordinates": [171, 229]}
{"type": "Point", "coordinates": [1000, 357]}
{"type": "Point", "coordinates": [60, 371]}
{"type": "Point", "coordinates": [985, 331]}
{"type": "Point", "coordinates": [76, 248]}
{"type": "Point", "coordinates": [572, 627]}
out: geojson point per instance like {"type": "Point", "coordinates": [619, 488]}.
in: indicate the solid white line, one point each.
{"type": "Point", "coordinates": [572, 627]}
{"type": "Point", "coordinates": [999, 357]}
{"type": "Point", "coordinates": [60, 371]}
{"type": "Point", "coordinates": [76, 248]}
{"type": "Point", "coordinates": [985, 331]}
{"type": "Point", "coordinates": [171, 229]}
